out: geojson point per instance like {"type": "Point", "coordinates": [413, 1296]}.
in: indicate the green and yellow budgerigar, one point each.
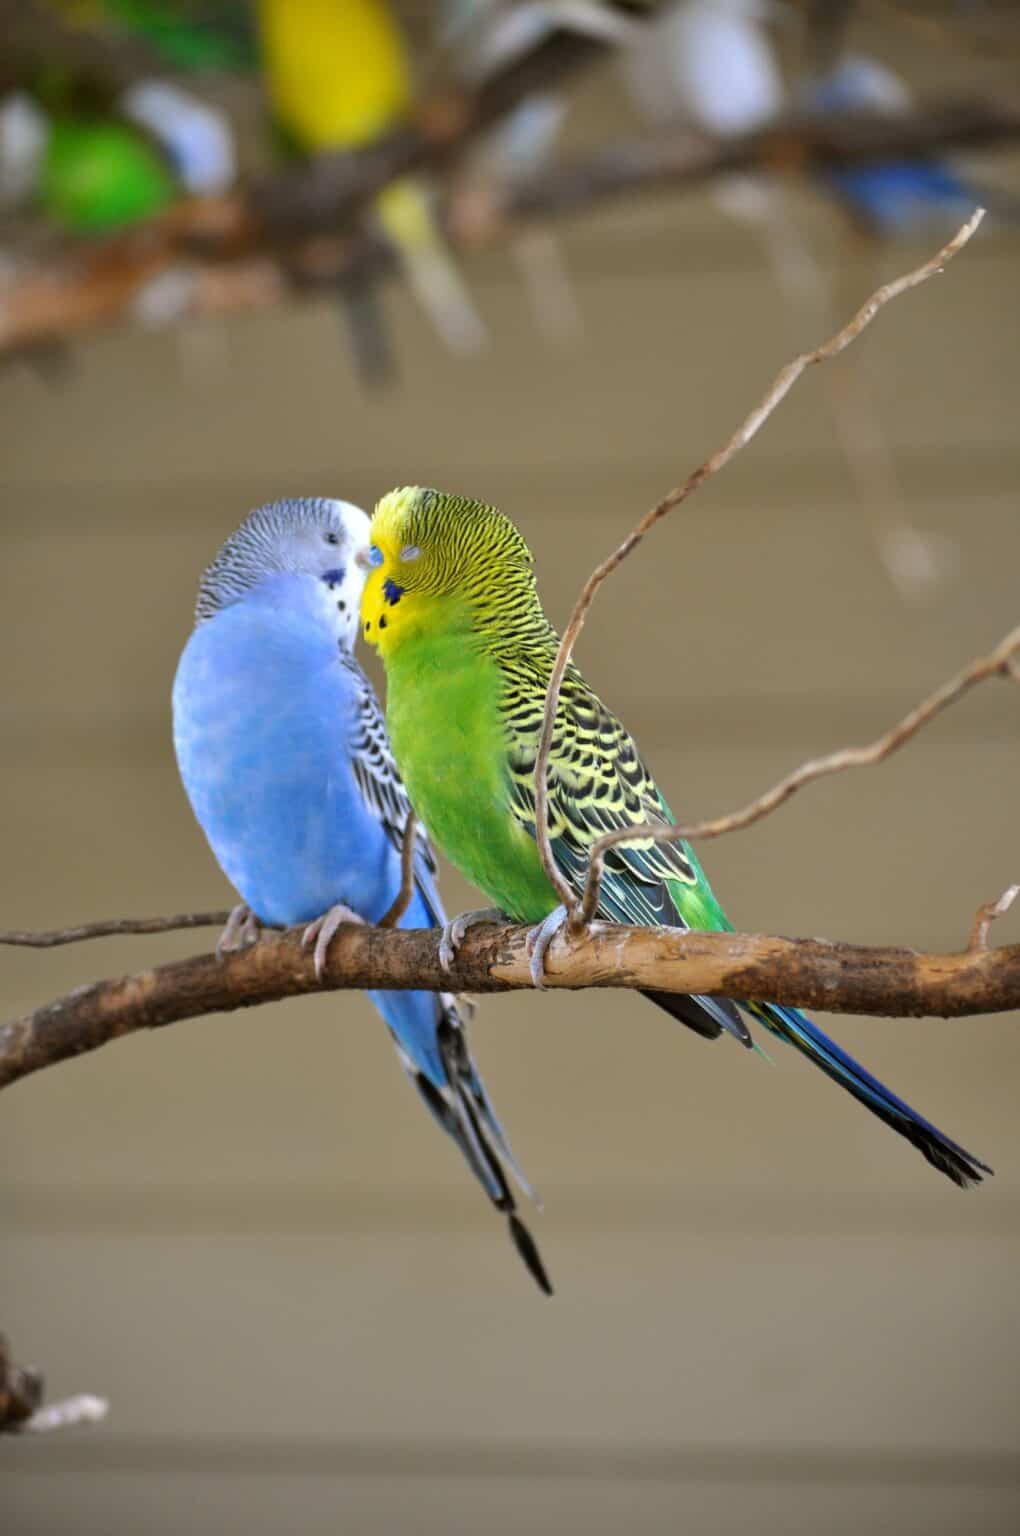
{"type": "Point", "coordinates": [338, 76]}
{"type": "Point", "coordinates": [451, 604]}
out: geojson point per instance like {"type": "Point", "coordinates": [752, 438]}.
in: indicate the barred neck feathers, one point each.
{"type": "Point", "coordinates": [508, 615]}
{"type": "Point", "coordinates": [442, 562]}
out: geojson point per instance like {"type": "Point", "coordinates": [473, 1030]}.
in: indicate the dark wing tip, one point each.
{"type": "Point", "coordinates": [707, 1016]}
{"type": "Point", "coordinates": [528, 1250]}
{"type": "Point", "coordinates": [965, 1170]}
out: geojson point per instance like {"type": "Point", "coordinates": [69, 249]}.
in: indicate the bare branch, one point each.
{"type": "Point", "coordinates": [996, 664]}
{"type": "Point", "coordinates": [841, 978]}
{"type": "Point", "coordinates": [21, 1390]}
{"type": "Point", "coordinates": [21, 1401]}
{"type": "Point", "coordinates": [38, 40]}
{"type": "Point", "coordinates": [50, 938]}
{"type": "Point", "coordinates": [102, 280]}
{"type": "Point", "coordinates": [408, 849]}
{"type": "Point", "coordinates": [795, 147]}
{"type": "Point", "coordinates": [986, 915]}
{"type": "Point", "coordinates": [69, 1413]}
{"type": "Point", "coordinates": [781, 386]}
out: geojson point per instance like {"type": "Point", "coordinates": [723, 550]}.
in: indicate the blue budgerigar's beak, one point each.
{"type": "Point", "coordinates": [369, 557]}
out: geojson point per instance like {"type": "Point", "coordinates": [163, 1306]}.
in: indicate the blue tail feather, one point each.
{"type": "Point", "coordinates": [945, 1155]}
{"type": "Point", "coordinates": [429, 1035]}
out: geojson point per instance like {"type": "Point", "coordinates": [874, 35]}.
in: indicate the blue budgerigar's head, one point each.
{"type": "Point", "coordinates": [308, 536]}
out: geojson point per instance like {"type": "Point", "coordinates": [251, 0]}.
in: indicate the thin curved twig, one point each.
{"type": "Point", "coordinates": [107, 928]}
{"type": "Point", "coordinates": [780, 388]}
{"type": "Point", "coordinates": [408, 849]}
{"type": "Point", "coordinates": [987, 914]}
{"type": "Point", "coordinates": [996, 663]}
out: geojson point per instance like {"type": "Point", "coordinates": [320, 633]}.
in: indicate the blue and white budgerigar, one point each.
{"type": "Point", "coordinates": [284, 756]}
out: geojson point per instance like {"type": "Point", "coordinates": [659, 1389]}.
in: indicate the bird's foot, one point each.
{"type": "Point", "coordinates": [540, 937]}
{"type": "Point", "coordinates": [453, 932]}
{"type": "Point", "coordinates": [538, 941]}
{"type": "Point", "coordinates": [240, 931]}
{"type": "Point", "coordinates": [321, 933]}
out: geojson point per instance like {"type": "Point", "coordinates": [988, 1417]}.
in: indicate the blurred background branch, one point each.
{"type": "Point", "coordinates": [483, 132]}
{"type": "Point", "coordinates": [231, 245]}
{"type": "Point", "coordinates": [22, 1410]}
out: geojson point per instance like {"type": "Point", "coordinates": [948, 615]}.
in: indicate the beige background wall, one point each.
{"type": "Point", "coordinates": [771, 1315]}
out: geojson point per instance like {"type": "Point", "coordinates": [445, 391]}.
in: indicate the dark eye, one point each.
{"type": "Point", "coordinates": [331, 537]}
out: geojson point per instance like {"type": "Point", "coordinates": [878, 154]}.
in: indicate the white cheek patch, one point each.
{"type": "Point", "coordinates": [355, 523]}
{"type": "Point", "coordinates": [345, 599]}
{"type": "Point", "coordinates": [345, 596]}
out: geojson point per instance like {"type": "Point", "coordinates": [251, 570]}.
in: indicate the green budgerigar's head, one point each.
{"type": "Point", "coordinates": [438, 561]}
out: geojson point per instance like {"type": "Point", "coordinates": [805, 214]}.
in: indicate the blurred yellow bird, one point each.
{"type": "Point", "coordinates": [338, 76]}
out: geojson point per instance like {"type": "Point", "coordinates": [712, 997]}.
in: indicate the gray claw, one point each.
{"type": "Point", "coordinates": [538, 943]}
{"type": "Point", "coordinates": [449, 942]}
{"type": "Point", "coordinates": [322, 930]}
{"type": "Point", "coordinates": [452, 936]}
{"type": "Point", "coordinates": [240, 931]}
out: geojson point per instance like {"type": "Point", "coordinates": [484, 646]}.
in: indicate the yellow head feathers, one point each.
{"type": "Point", "coordinates": [439, 560]}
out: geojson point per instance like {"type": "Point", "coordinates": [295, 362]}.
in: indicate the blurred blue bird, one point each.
{"type": "Point", "coordinates": [894, 197]}
{"type": "Point", "coordinates": [284, 756]}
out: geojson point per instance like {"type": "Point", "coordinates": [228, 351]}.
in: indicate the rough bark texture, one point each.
{"type": "Point", "coordinates": [811, 973]}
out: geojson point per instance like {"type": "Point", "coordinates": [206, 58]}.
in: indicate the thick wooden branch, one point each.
{"type": "Point", "coordinates": [813, 973]}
